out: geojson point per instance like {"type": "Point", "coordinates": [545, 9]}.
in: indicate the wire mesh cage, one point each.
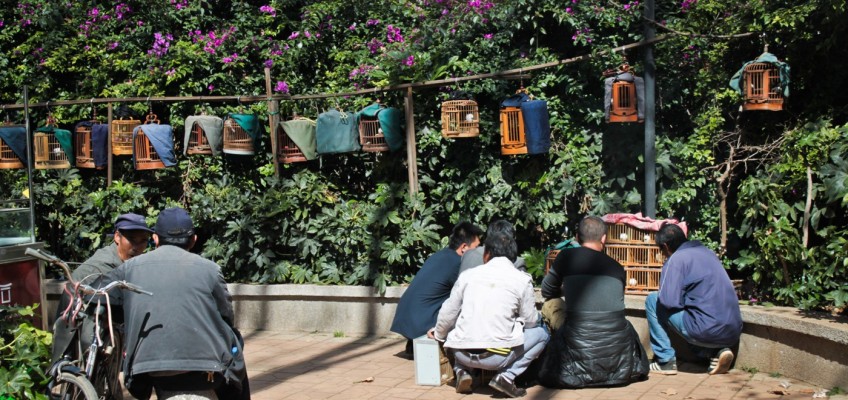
{"type": "Point", "coordinates": [122, 136]}
{"type": "Point", "coordinates": [145, 156]}
{"type": "Point", "coordinates": [8, 158]}
{"type": "Point", "coordinates": [236, 139]}
{"type": "Point", "coordinates": [623, 102]}
{"type": "Point", "coordinates": [197, 141]}
{"type": "Point", "coordinates": [762, 87]}
{"type": "Point", "coordinates": [513, 139]}
{"type": "Point", "coordinates": [371, 135]}
{"type": "Point", "coordinates": [460, 119]}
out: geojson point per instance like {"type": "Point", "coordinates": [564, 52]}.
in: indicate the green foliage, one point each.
{"type": "Point", "coordinates": [25, 351]}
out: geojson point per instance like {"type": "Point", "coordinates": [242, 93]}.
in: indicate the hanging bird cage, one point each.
{"type": "Point", "coordinates": [287, 150]}
{"type": "Point", "coordinates": [197, 142]}
{"type": "Point", "coordinates": [460, 118]}
{"type": "Point", "coordinates": [371, 135]}
{"type": "Point", "coordinates": [513, 140]}
{"type": "Point", "coordinates": [762, 87]}
{"type": "Point", "coordinates": [8, 158]}
{"type": "Point", "coordinates": [236, 139]}
{"type": "Point", "coordinates": [623, 102]}
{"type": "Point", "coordinates": [48, 151]}
{"type": "Point", "coordinates": [122, 136]}
{"type": "Point", "coordinates": [83, 146]}
{"type": "Point", "coordinates": [145, 155]}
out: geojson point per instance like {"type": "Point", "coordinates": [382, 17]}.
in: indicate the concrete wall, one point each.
{"type": "Point", "coordinates": [813, 348]}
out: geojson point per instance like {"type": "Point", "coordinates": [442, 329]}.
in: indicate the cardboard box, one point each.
{"type": "Point", "coordinates": [432, 366]}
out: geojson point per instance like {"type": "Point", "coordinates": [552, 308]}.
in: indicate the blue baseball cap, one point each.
{"type": "Point", "coordinates": [131, 222]}
{"type": "Point", "coordinates": [174, 222]}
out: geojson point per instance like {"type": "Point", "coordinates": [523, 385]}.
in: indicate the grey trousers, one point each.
{"type": "Point", "coordinates": [509, 365]}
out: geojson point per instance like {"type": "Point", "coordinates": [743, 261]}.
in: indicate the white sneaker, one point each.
{"type": "Point", "coordinates": [720, 364]}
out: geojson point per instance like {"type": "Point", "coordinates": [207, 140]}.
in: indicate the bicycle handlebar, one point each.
{"type": "Point", "coordinates": [47, 257]}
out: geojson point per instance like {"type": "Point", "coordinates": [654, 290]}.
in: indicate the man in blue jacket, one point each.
{"type": "Point", "coordinates": [419, 305]}
{"type": "Point", "coordinates": [697, 300]}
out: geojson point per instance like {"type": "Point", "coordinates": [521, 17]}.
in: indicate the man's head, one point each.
{"type": "Point", "coordinates": [591, 229]}
{"type": "Point", "coordinates": [502, 226]}
{"type": "Point", "coordinates": [131, 235]}
{"type": "Point", "coordinates": [669, 238]}
{"type": "Point", "coordinates": [500, 244]}
{"type": "Point", "coordinates": [465, 236]}
{"type": "Point", "coordinates": [174, 227]}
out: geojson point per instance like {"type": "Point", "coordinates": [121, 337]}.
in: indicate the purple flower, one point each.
{"type": "Point", "coordinates": [281, 87]}
{"type": "Point", "coordinates": [374, 45]}
{"type": "Point", "coordinates": [268, 63]}
{"type": "Point", "coordinates": [352, 27]}
{"type": "Point", "coordinates": [268, 10]}
{"type": "Point", "coordinates": [113, 45]}
{"type": "Point", "coordinates": [393, 34]}
{"type": "Point", "coordinates": [211, 87]}
{"type": "Point", "coordinates": [487, 36]}
{"type": "Point", "coordinates": [410, 61]}
{"type": "Point", "coordinates": [161, 43]}
{"type": "Point", "coordinates": [294, 35]}
{"type": "Point", "coordinates": [372, 22]}
{"type": "Point", "coordinates": [229, 59]}
{"type": "Point", "coordinates": [170, 72]}
{"type": "Point", "coordinates": [307, 34]}
{"type": "Point", "coordinates": [568, 10]}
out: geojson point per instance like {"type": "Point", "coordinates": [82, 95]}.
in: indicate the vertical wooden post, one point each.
{"type": "Point", "coordinates": [109, 146]}
{"type": "Point", "coordinates": [411, 150]}
{"type": "Point", "coordinates": [273, 120]}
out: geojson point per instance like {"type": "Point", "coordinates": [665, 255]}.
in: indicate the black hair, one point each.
{"type": "Point", "coordinates": [591, 229]}
{"type": "Point", "coordinates": [501, 225]}
{"type": "Point", "coordinates": [501, 244]}
{"type": "Point", "coordinates": [464, 232]}
{"type": "Point", "coordinates": [183, 242]}
{"type": "Point", "coordinates": [672, 236]}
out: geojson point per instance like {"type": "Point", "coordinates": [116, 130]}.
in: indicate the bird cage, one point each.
{"type": "Point", "coordinates": [197, 142]}
{"type": "Point", "coordinates": [145, 156]}
{"type": "Point", "coordinates": [623, 102]}
{"type": "Point", "coordinates": [549, 259]}
{"type": "Point", "coordinates": [513, 139]}
{"type": "Point", "coordinates": [460, 119]}
{"type": "Point", "coordinates": [287, 150]}
{"type": "Point", "coordinates": [83, 145]}
{"type": "Point", "coordinates": [48, 151]}
{"type": "Point", "coordinates": [236, 139]}
{"type": "Point", "coordinates": [122, 136]}
{"type": "Point", "coordinates": [371, 135]}
{"type": "Point", "coordinates": [762, 87]}
{"type": "Point", "coordinates": [8, 158]}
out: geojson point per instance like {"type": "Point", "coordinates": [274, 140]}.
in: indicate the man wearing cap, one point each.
{"type": "Point", "coordinates": [180, 340]}
{"type": "Point", "coordinates": [130, 239]}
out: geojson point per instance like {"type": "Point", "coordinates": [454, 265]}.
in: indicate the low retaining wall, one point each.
{"type": "Point", "coordinates": [812, 348]}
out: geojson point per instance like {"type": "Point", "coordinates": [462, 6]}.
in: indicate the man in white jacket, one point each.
{"type": "Point", "coordinates": [490, 320]}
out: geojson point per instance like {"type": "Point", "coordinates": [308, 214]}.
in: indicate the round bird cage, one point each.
{"type": "Point", "coordinates": [48, 152]}
{"type": "Point", "coordinates": [371, 136]}
{"type": "Point", "coordinates": [145, 155]}
{"type": "Point", "coordinates": [287, 150]}
{"type": "Point", "coordinates": [762, 87]}
{"type": "Point", "coordinates": [460, 119]}
{"type": "Point", "coordinates": [8, 158]}
{"type": "Point", "coordinates": [197, 142]}
{"type": "Point", "coordinates": [122, 136]}
{"type": "Point", "coordinates": [236, 139]}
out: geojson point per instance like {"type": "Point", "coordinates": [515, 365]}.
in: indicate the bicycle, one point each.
{"type": "Point", "coordinates": [87, 371]}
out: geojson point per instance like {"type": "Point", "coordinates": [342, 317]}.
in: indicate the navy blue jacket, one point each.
{"type": "Point", "coordinates": [419, 306]}
{"type": "Point", "coordinates": [693, 280]}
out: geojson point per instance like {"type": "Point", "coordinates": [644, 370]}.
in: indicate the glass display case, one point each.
{"type": "Point", "coordinates": [16, 223]}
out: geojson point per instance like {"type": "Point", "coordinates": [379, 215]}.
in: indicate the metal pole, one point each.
{"type": "Point", "coordinates": [30, 161]}
{"type": "Point", "coordinates": [109, 147]}
{"type": "Point", "coordinates": [650, 203]}
{"type": "Point", "coordinates": [273, 120]}
{"type": "Point", "coordinates": [411, 150]}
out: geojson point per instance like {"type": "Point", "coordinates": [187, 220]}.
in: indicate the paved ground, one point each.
{"type": "Point", "coordinates": [321, 366]}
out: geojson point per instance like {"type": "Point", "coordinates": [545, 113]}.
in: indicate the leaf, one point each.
{"type": "Point", "coordinates": [366, 380]}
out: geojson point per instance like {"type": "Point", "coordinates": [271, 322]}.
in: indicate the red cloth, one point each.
{"type": "Point", "coordinates": [644, 223]}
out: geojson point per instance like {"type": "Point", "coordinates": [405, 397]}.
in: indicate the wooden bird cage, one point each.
{"type": "Point", "coordinates": [197, 141]}
{"type": "Point", "coordinates": [549, 259]}
{"type": "Point", "coordinates": [83, 148]}
{"type": "Point", "coordinates": [287, 150]}
{"type": "Point", "coordinates": [8, 158]}
{"type": "Point", "coordinates": [460, 119]}
{"type": "Point", "coordinates": [145, 155]}
{"type": "Point", "coordinates": [48, 152]}
{"type": "Point", "coordinates": [122, 136]}
{"type": "Point", "coordinates": [623, 102]}
{"type": "Point", "coordinates": [236, 139]}
{"type": "Point", "coordinates": [371, 136]}
{"type": "Point", "coordinates": [636, 250]}
{"type": "Point", "coordinates": [513, 140]}
{"type": "Point", "coordinates": [762, 87]}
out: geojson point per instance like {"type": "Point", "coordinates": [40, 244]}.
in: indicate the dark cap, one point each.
{"type": "Point", "coordinates": [174, 222]}
{"type": "Point", "coordinates": [131, 222]}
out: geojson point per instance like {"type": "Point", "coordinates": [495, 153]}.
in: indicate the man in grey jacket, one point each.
{"type": "Point", "coordinates": [490, 320]}
{"type": "Point", "coordinates": [181, 339]}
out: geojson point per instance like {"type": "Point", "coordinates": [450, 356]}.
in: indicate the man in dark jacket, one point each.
{"type": "Point", "coordinates": [697, 300]}
{"type": "Point", "coordinates": [181, 339]}
{"type": "Point", "coordinates": [419, 305]}
{"type": "Point", "coordinates": [596, 345]}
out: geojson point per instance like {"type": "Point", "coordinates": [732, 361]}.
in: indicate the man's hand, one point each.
{"type": "Point", "coordinates": [431, 333]}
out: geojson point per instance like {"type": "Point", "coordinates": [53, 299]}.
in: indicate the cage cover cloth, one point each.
{"type": "Point", "coordinates": [640, 93]}
{"type": "Point", "coordinates": [99, 138]}
{"type": "Point", "coordinates": [63, 136]}
{"type": "Point", "coordinates": [768, 58]}
{"type": "Point", "coordinates": [639, 221]}
{"type": "Point", "coordinates": [391, 122]}
{"type": "Point", "coordinates": [250, 124]}
{"type": "Point", "coordinates": [213, 129]}
{"type": "Point", "coordinates": [162, 139]}
{"type": "Point", "coordinates": [537, 124]}
{"type": "Point", "coordinates": [302, 133]}
{"type": "Point", "coordinates": [336, 132]}
{"type": "Point", "coordinates": [15, 138]}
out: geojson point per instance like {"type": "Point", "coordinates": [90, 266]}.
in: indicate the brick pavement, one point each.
{"type": "Point", "coordinates": [286, 365]}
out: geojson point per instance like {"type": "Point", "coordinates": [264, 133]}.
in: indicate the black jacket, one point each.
{"type": "Point", "coordinates": [594, 349]}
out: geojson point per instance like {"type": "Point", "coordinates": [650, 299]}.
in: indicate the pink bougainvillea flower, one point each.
{"type": "Point", "coordinates": [487, 36]}
{"type": "Point", "coordinates": [294, 35]}
{"type": "Point", "coordinates": [281, 87]}
{"type": "Point", "coordinates": [410, 61]}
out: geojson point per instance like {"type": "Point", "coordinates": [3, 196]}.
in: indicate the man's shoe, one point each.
{"type": "Point", "coordinates": [409, 351]}
{"type": "Point", "coordinates": [667, 368]}
{"type": "Point", "coordinates": [506, 387]}
{"type": "Point", "coordinates": [464, 382]}
{"type": "Point", "coordinates": [720, 364]}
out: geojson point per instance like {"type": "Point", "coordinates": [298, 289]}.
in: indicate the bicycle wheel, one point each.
{"type": "Point", "coordinates": [106, 378]}
{"type": "Point", "coordinates": [68, 386]}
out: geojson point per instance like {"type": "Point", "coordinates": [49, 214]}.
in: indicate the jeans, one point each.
{"type": "Point", "coordinates": [509, 365]}
{"type": "Point", "coordinates": [660, 322]}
